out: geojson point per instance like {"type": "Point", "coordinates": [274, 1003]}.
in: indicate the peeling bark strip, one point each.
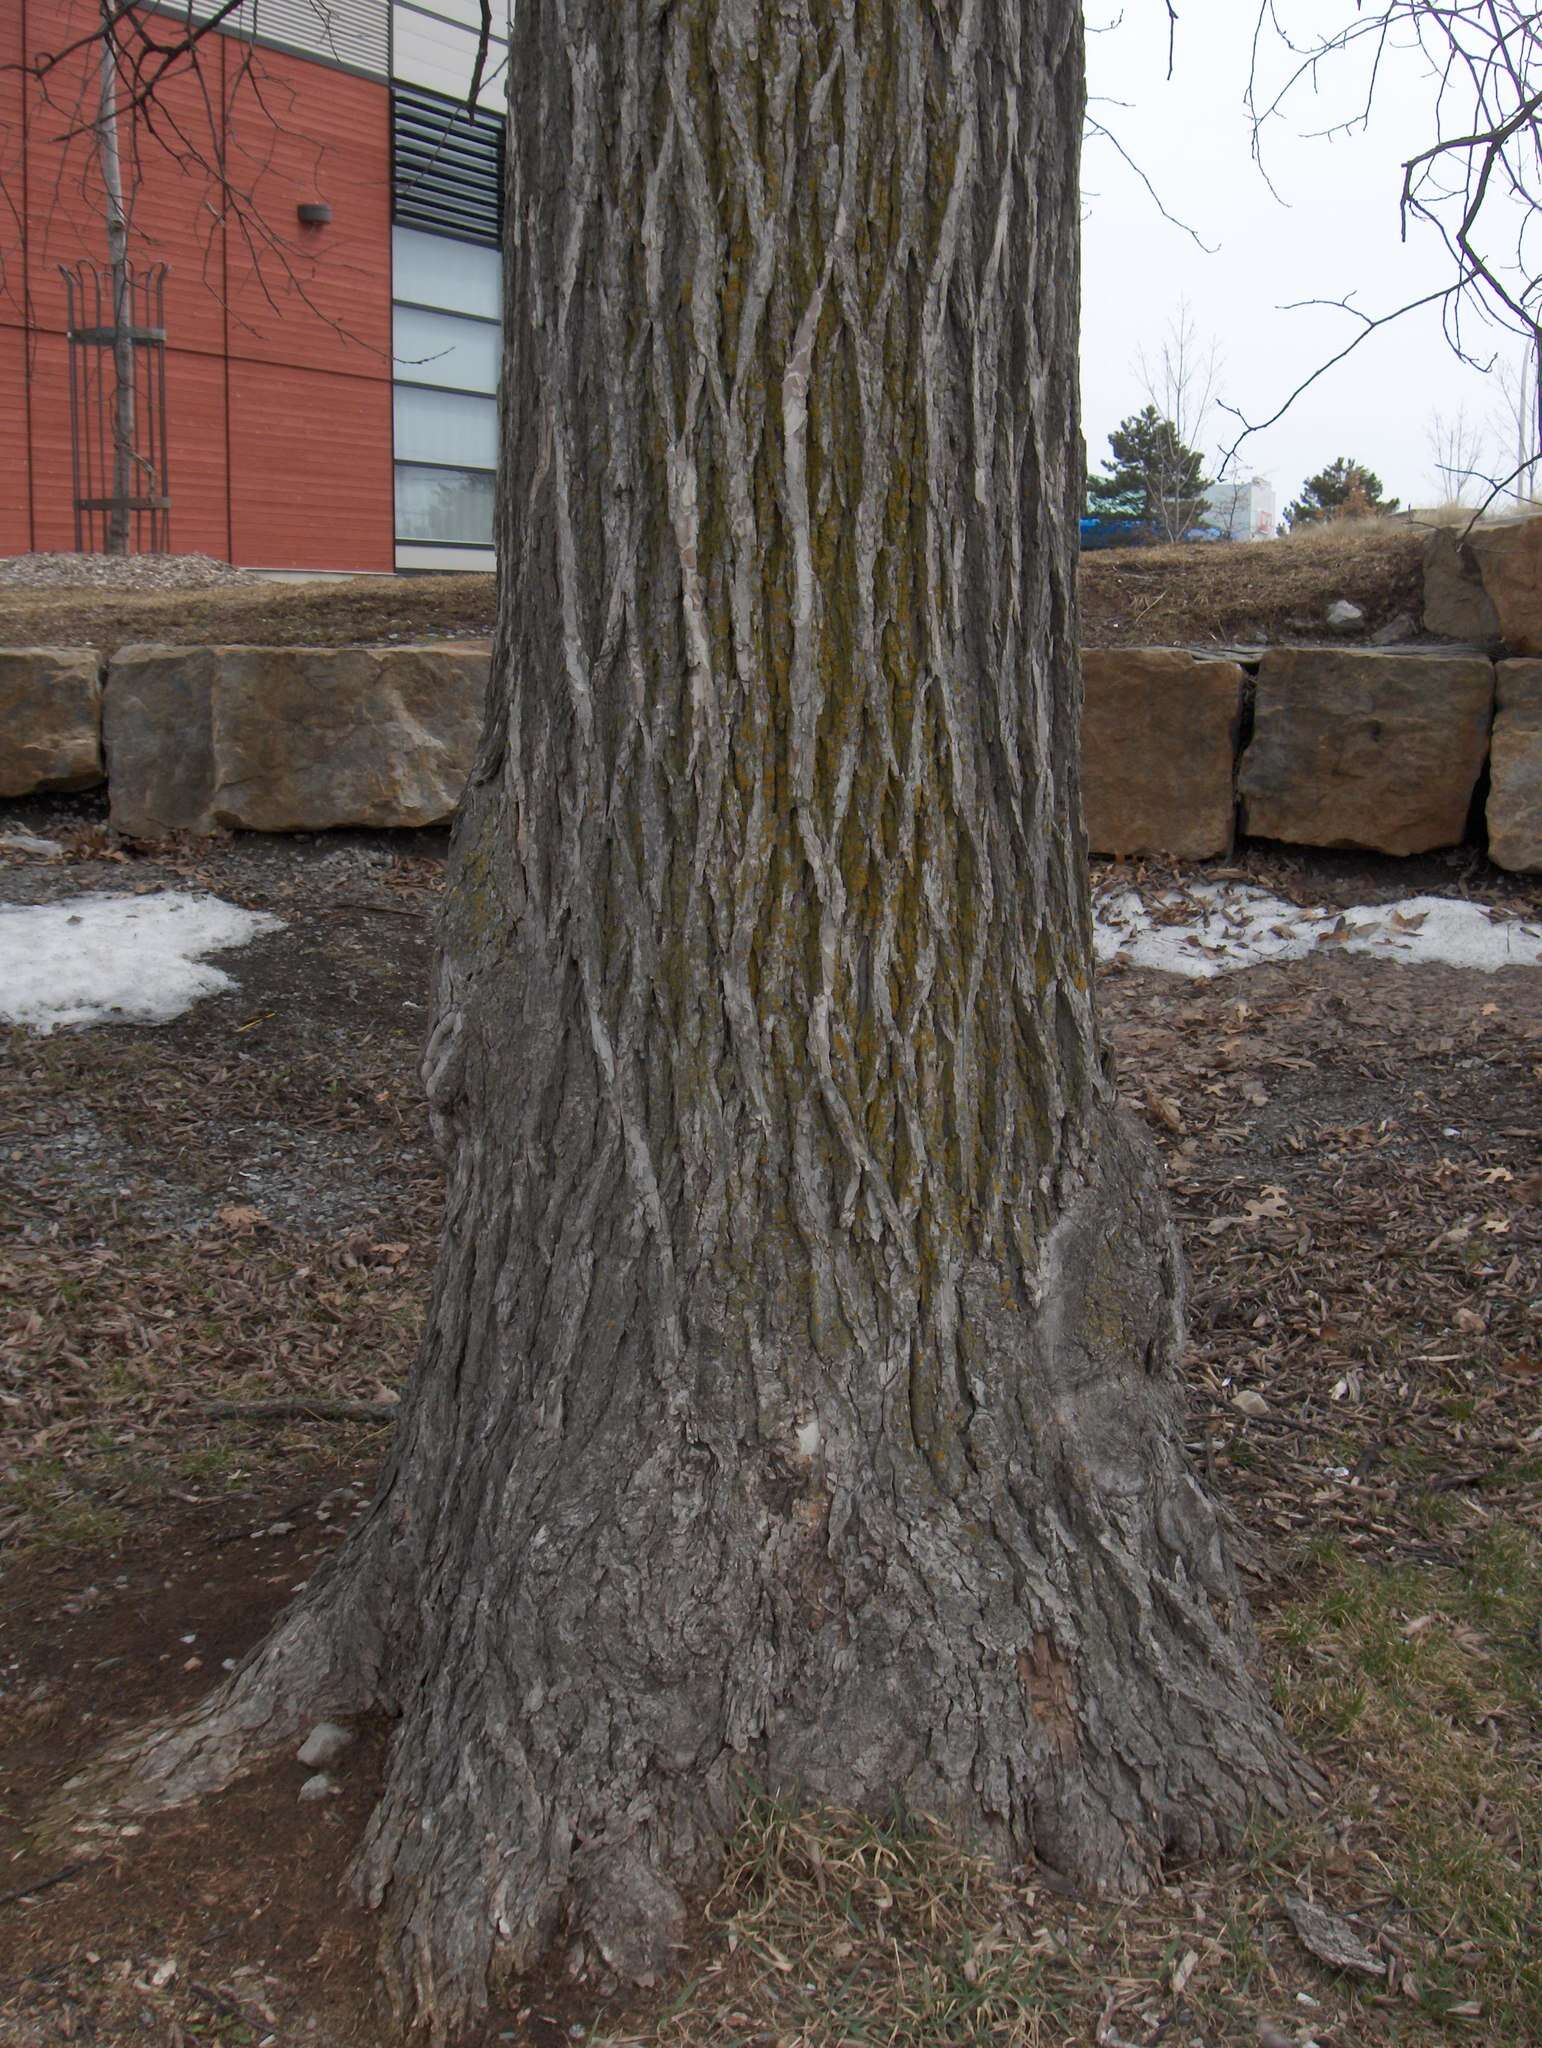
{"type": "Point", "coordinates": [797, 1401]}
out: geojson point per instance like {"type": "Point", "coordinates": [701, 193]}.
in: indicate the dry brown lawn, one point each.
{"type": "Point", "coordinates": [1171, 596]}
{"type": "Point", "coordinates": [1241, 595]}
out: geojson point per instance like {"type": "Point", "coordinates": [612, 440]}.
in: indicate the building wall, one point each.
{"type": "Point", "coordinates": [279, 370]}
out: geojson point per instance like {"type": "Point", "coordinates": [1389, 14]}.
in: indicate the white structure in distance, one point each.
{"type": "Point", "coordinates": [1242, 507]}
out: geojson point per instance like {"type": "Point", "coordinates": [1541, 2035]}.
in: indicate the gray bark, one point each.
{"type": "Point", "coordinates": [798, 1403]}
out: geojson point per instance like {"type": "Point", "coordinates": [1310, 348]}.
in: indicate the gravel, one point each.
{"type": "Point", "coordinates": [117, 572]}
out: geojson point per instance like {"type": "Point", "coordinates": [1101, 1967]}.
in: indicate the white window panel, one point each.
{"type": "Point", "coordinates": [440, 57]}
{"type": "Point", "coordinates": [433, 270]}
{"type": "Point", "coordinates": [466, 13]}
{"type": "Point", "coordinates": [445, 426]}
{"type": "Point", "coordinates": [437, 348]}
{"type": "Point", "coordinates": [444, 558]}
{"type": "Point", "coordinates": [451, 505]}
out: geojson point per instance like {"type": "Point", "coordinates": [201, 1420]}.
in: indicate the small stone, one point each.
{"type": "Point", "coordinates": [1394, 632]}
{"type": "Point", "coordinates": [325, 1743]}
{"type": "Point", "coordinates": [1250, 1403]}
{"type": "Point", "coordinates": [322, 1786]}
{"type": "Point", "coordinates": [1345, 617]}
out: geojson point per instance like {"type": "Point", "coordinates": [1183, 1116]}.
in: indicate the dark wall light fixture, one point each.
{"type": "Point", "coordinates": [314, 213]}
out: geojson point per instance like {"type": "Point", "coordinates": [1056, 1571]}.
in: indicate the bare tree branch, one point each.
{"type": "Point", "coordinates": [1477, 186]}
{"type": "Point", "coordinates": [1101, 132]}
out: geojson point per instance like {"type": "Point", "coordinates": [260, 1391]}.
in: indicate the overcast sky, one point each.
{"type": "Point", "coordinates": [1335, 233]}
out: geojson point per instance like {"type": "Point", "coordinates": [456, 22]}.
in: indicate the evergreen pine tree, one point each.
{"type": "Point", "coordinates": [1153, 477]}
{"type": "Point", "coordinates": [1346, 489]}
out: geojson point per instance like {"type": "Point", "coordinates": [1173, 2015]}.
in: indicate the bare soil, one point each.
{"type": "Point", "coordinates": [242, 1204]}
{"type": "Point", "coordinates": [1141, 597]}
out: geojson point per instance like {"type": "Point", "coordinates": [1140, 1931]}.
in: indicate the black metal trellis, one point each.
{"type": "Point", "coordinates": [144, 509]}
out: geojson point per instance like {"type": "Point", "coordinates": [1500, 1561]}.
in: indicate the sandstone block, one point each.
{"type": "Point", "coordinates": [50, 719]}
{"type": "Point", "coordinates": [1455, 603]}
{"type": "Point", "coordinates": [1510, 561]}
{"type": "Point", "coordinates": [289, 739]}
{"type": "Point", "coordinates": [1360, 749]}
{"type": "Point", "coordinates": [1159, 747]}
{"type": "Point", "coordinates": [1515, 769]}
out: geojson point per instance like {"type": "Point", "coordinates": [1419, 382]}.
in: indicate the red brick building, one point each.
{"type": "Point", "coordinates": [330, 384]}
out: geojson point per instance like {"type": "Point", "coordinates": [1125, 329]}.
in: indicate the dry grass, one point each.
{"type": "Point", "coordinates": [1416, 1691]}
{"type": "Point", "coordinates": [834, 1928]}
{"type": "Point", "coordinates": [265, 614]}
{"type": "Point", "coordinates": [1130, 597]}
{"type": "Point", "coordinates": [1275, 590]}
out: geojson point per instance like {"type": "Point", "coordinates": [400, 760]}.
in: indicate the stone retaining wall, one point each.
{"type": "Point", "coordinates": [1380, 751]}
{"type": "Point", "coordinates": [289, 739]}
{"type": "Point", "coordinates": [1314, 746]}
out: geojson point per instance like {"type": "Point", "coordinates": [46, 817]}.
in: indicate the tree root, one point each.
{"type": "Point", "coordinates": [318, 1663]}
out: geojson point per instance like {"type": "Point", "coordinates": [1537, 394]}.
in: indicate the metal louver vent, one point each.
{"type": "Point", "coordinates": [352, 34]}
{"type": "Point", "coordinates": [446, 167]}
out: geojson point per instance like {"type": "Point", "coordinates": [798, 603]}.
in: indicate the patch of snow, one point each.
{"type": "Point", "coordinates": [111, 959]}
{"type": "Point", "coordinates": [29, 842]}
{"type": "Point", "coordinates": [1212, 929]}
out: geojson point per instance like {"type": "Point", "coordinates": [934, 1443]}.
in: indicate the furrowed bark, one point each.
{"type": "Point", "coordinates": [798, 1403]}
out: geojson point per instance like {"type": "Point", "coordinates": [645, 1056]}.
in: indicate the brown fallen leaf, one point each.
{"type": "Point", "coordinates": [1164, 1109]}
{"type": "Point", "coordinates": [241, 1216]}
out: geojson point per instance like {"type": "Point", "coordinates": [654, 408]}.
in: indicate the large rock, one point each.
{"type": "Point", "coordinates": [1159, 750]}
{"type": "Point", "coordinates": [1515, 768]}
{"type": "Point", "coordinates": [289, 739]}
{"type": "Point", "coordinates": [50, 719]}
{"type": "Point", "coordinates": [1510, 561]}
{"type": "Point", "coordinates": [1456, 605]}
{"type": "Point", "coordinates": [1359, 749]}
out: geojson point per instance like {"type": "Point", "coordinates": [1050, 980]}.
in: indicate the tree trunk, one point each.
{"type": "Point", "coordinates": [798, 1403]}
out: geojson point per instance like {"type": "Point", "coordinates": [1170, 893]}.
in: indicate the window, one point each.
{"type": "Point", "coordinates": [434, 45]}
{"type": "Point", "coordinates": [446, 427]}
{"type": "Point", "coordinates": [459, 277]}
{"type": "Point", "coordinates": [447, 337]}
{"type": "Point", "coordinates": [439, 348]}
{"type": "Point", "coordinates": [448, 507]}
